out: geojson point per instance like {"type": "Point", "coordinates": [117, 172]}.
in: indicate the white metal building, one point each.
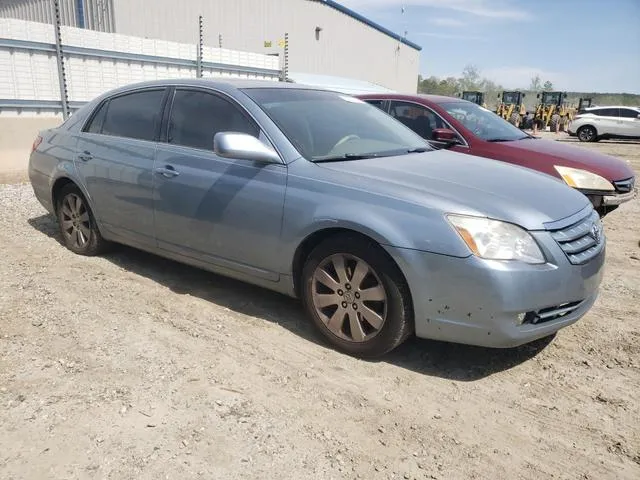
{"type": "Point", "coordinates": [325, 38]}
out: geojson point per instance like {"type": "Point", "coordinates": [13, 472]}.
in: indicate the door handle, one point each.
{"type": "Point", "coordinates": [167, 172]}
{"type": "Point", "coordinates": [85, 156]}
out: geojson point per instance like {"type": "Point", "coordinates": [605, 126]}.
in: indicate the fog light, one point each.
{"type": "Point", "coordinates": [520, 318]}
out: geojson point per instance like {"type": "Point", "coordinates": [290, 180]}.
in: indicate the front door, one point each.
{"type": "Point", "coordinates": [114, 157]}
{"type": "Point", "coordinates": [226, 212]}
{"type": "Point", "coordinates": [629, 122]}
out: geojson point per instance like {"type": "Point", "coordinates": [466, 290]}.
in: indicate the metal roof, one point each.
{"type": "Point", "coordinates": [372, 24]}
{"type": "Point", "coordinates": [348, 86]}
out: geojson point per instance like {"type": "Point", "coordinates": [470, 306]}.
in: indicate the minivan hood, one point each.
{"type": "Point", "coordinates": [606, 166]}
{"type": "Point", "coordinates": [460, 183]}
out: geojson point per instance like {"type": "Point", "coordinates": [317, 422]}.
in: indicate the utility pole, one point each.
{"type": "Point", "coordinates": [64, 98]}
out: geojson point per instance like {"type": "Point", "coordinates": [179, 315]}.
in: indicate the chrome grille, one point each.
{"type": "Point", "coordinates": [581, 241]}
{"type": "Point", "coordinates": [624, 186]}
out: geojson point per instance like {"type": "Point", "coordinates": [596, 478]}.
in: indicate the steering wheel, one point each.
{"type": "Point", "coordinates": [345, 140]}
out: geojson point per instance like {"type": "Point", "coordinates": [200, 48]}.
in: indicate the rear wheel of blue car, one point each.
{"type": "Point", "coordinates": [357, 296]}
{"type": "Point", "coordinates": [78, 227]}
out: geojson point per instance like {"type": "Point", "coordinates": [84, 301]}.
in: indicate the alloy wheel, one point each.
{"type": "Point", "coordinates": [76, 224]}
{"type": "Point", "coordinates": [349, 297]}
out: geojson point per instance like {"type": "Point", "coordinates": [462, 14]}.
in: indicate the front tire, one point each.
{"type": "Point", "coordinates": [357, 296]}
{"type": "Point", "coordinates": [77, 224]}
{"type": "Point", "coordinates": [587, 133]}
{"type": "Point", "coordinates": [515, 119]}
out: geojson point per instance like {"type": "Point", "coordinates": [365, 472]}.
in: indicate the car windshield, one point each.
{"type": "Point", "coordinates": [327, 126]}
{"type": "Point", "coordinates": [483, 123]}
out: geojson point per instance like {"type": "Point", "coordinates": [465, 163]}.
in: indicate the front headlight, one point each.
{"type": "Point", "coordinates": [577, 178]}
{"type": "Point", "coordinates": [495, 240]}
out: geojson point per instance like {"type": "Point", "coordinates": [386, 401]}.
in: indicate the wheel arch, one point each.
{"type": "Point", "coordinates": [321, 234]}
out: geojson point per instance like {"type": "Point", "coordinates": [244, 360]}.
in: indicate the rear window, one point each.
{"type": "Point", "coordinates": [134, 115]}
{"type": "Point", "coordinates": [604, 112]}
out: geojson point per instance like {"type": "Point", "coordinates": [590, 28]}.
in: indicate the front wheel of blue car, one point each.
{"type": "Point", "coordinates": [357, 296]}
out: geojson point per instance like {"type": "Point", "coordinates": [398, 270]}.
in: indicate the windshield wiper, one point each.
{"type": "Point", "coordinates": [347, 156]}
{"type": "Point", "coordinates": [501, 139]}
{"type": "Point", "coordinates": [419, 150]}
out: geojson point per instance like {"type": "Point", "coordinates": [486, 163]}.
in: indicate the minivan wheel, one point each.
{"type": "Point", "coordinates": [587, 134]}
{"type": "Point", "coordinates": [357, 296]}
{"type": "Point", "coordinates": [79, 231]}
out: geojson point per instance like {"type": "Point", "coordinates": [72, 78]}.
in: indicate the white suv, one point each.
{"type": "Point", "coordinates": [597, 123]}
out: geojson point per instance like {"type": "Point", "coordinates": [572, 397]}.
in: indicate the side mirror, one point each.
{"type": "Point", "coordinates": [444, 135]}
{"type": "Point", "coordinates": [538, 96]}
{"type": "Point", "coordinates": [241, 146]}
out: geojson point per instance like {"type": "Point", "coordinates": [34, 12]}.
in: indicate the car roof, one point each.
{"type": "Point", "coordinates": [416, 97]}
{"type": "Point", "coordinates": [611, 106]}
{"type": "Point", "coordinates": [225, 84]}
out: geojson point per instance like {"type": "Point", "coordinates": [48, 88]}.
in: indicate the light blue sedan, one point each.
{"type": "Point", "coordinates": [321, 196]}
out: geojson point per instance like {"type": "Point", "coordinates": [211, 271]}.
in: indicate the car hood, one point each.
{"type": "Point", "coordinates": [609, 167]}
{"type": "Point", "coordinates": [464, 184]}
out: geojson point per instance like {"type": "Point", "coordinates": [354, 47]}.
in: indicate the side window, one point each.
{"type": "Point", "coordinates": [418, 118]}
{"type": "Point", "coordinates": [607, 112]}
{"type": "Point", "coordinates": [197, 116]}
{"type": "Point", "coordinates": [628, 113]}
{"type": "Point", "coordinates": [376, 103]}
{"type": "Point", "coordinates": [95, 124]}
{"type": "Point", "coordinates": [135, 115]}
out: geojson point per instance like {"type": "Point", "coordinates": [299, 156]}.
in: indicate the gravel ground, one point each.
{"type": "Point", "coordinates": [131, 366]}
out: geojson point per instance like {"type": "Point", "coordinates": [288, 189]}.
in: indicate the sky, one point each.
{"type": "Point", "coordinates": [579, 45]}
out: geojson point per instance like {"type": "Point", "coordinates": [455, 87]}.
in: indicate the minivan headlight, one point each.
{"type": "Point", "coordinates": [495, 240]}
{"type": "Point", "coordinates": [577, 178]}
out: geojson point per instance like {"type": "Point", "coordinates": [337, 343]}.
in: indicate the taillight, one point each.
{"type": "Point", "coordinates": [36, 143]}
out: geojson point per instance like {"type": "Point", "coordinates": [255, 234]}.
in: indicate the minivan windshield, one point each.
{"type": "Point", "coordinates": [483, 123]}
{"type": "Point", "coordinates": [328, 126]}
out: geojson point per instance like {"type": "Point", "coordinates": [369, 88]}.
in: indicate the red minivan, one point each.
{"type": "Point", "coordinates": [469, 128]}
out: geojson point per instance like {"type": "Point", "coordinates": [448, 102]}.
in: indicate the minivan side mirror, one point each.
{"type": "Point", "coordinates": [241, 146]}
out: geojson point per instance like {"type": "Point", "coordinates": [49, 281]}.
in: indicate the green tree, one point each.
{"type": "Point", "coordinates": [471, 78]}
{"type": "Point", "coordinates": [536, 84]}
{"type": "Point", "coordinates": [548, 86]}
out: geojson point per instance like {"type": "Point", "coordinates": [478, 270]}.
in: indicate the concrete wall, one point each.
{"type": "Point", "coordinates": [16, 137]}
{"type": "Point", "coordinates": [344, 47]}
{"type": "Point", "coordinates": [33, 75]}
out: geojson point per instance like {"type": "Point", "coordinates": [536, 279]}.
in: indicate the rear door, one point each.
{"type": "Point", "coordinates": [225, 212]}
{"type": "Point", "coordinates": [606, 121]}
{"type": "Point", "coordinates": [115, 155]}
{"type": "Point", "coordinates": [629, 122]}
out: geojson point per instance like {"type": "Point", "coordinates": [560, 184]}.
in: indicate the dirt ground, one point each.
{"type": "Point", "coordinates": [134, 367]}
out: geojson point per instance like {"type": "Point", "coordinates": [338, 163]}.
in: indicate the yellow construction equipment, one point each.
{"type": "Point", "coordinates": [511, 107]}
{"type": "Point", "coordinates": [553, 111]}
{"type": "Point", "coordinates": [475, 97]}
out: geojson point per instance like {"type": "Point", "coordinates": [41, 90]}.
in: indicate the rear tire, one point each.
{"type": "Point", "coordinates": [587, 133]}
{"type": "Point", "coordinates": [77, 224]}
{"type": "Point", "coordinates": [555, 122]}
{"type": "Point", "coordinates": [356, 296]}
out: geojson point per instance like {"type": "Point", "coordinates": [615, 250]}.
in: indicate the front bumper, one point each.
{"type": "Point", "coordinates": [619, 198]}
{"type": "Point", "coordinates": [483, 302]}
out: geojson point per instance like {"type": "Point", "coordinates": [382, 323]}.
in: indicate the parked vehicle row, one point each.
{"type": "Point", "coordinates": [330, 199]}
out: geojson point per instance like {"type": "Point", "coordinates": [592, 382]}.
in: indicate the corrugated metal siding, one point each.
{"type": "Point", "coordinates": [344, 47]}
{"type": "Point", "coordinates": [98, 14]}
